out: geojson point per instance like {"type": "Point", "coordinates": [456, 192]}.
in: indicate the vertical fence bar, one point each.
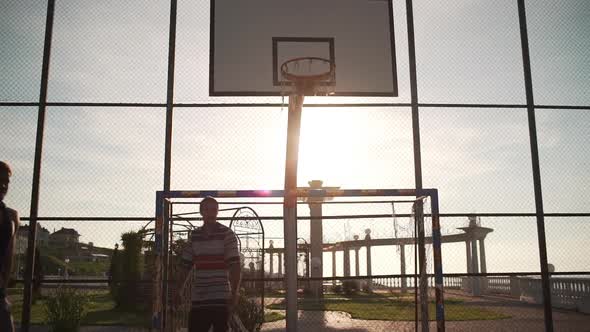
{"type": "Point", "coordinates": [438, 270]}
{"type": "Point", "coordinates": [168, 148]}
{"type": "Point", "coordinates": [157, 299]}
{"type": "Point", "coordinates": [263, 276]}
{"type": "Point", "coordinates": [417, 163]}
{"type": "Point", "coordinates": [28, 291]}
{"type": "Point", "coordinates": [528, 81]}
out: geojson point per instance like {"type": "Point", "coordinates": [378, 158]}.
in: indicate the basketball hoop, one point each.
{"type": "Point", "coordinates": [308, 74]}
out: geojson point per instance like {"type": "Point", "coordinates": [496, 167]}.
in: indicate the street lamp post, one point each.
{"type": "Point", "coordinates": [66, 274]}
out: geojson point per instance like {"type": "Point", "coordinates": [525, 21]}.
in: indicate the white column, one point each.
{"type": "Point", "coordinates": [334, 266]}
{"type": "Point", "coordinates": [402, 257]}
{"type": "Point", "coordinates": [346, 261]}
{"type": "Point", "coordinates": [475, 269]}
{"type": "Point", "coordinates": [271, 268]}
{"type": "Point", "coordinates": [482, 265]}
{"type": "Point", "coordinates": [468, 255]}
{"type": "Point", "coordinates": [316, 243]}
{"type": "Point", "coordinates": [357, 267]}
{"type": "Point", "coordinates": [482, 257]}
{"type": "Point", "coordinates": [369, 267]}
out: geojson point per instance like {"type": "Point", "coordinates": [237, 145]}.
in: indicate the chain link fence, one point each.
{"type": "Point", "coordinates": [104, 147]}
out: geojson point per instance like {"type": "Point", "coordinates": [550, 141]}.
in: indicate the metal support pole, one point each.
{"type": "Point", "coordinates": [528, 82]}
{"type": "Point", "coordinates": [290, 208]}
{"type": "Point", "coordinates": [32, 240]}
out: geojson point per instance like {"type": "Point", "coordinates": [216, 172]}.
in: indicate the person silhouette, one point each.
{"type": "Point", "coordinates": [212, 250]}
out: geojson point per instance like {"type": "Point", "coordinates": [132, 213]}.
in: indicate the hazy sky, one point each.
{"type": "Point", "coordinates": [109, 161]}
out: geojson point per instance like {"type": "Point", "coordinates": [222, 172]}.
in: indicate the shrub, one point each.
{"type": "Point", "coordinates": [38, 272]}
{"type": "Point", "coordinates": [89, 268]}
{"type": "Point", "coordinates": [365, 286]}
{"type": "Point", "coordinates": [350, 287]}
{"type": "Point", "coordinates": [307, 291]}
{"type": "Point", "coordinates": [52, 264]}
{"type": "Point", "coordinates": [337, 289]}
{"type": "Point", "coordinates": [131, 255]}
{"type": "Point", "coordinates": [251, 313]}
{"type": "Point", "coordinates": [65, 310]}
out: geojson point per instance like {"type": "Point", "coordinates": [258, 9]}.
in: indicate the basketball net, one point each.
{"type": "Point", "coordinates": [307, 76]}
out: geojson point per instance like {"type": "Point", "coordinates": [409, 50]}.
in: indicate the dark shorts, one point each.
{"type": "Point", "coordinates": [5, 316]}
{"type": "Point", "coordinates": [201, 319]}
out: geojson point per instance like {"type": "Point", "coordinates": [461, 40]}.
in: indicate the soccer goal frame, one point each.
{"type": "Point", "coordinates": [163, 218]}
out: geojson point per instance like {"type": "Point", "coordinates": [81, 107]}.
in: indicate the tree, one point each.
{"type": "Point", "coordinates": [38, 273]}
{"type": "Point", "coordinates": [115, 272]}
{"type": "Point", "coordinates": [126, 271]}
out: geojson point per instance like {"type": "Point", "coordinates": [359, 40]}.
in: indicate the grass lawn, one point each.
{"type": "Point", "coordinates": [381, 307]}
{"type": "Point", "coordinates": [101, 311]}
{"type": "Point", "coordinates": [272, 316]}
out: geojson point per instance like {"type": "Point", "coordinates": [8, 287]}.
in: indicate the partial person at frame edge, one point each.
{"type": "Point", "coordinates": [9, 223]}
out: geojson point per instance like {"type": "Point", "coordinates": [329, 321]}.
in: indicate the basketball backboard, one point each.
{"type": "Point", "coordinates": [251, 39]}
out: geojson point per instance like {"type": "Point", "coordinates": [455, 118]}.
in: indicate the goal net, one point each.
{"type": "Point", "coordinates": [352, 245]}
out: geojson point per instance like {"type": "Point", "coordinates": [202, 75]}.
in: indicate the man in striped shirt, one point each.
{"type": "Point", "coordinates": [213, 252]}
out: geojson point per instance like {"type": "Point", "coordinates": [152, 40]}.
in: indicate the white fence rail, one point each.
{"type": "Point", "coordinates": [566, 293]}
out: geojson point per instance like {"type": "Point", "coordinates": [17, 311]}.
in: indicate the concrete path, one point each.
{"type": "Point", "coordinates": [38, 328]}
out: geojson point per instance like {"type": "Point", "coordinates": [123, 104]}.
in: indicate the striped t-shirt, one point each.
{"type": "Point", "coordinates": [211, 253]}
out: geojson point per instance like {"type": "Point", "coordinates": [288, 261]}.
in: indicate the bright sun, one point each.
{"type": "Point", "coordinates": [329, 145]}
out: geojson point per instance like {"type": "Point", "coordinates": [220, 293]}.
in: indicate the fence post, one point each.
{"type": "Point", "coordinates": [514, 287]}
